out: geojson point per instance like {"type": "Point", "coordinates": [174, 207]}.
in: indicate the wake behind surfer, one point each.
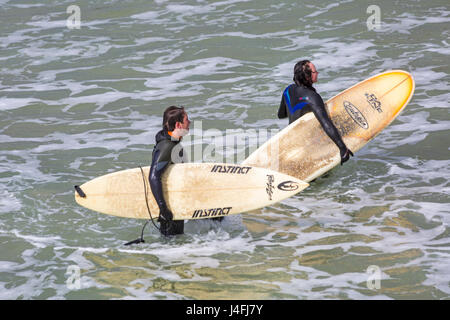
{"type": "Point", "coordinates": [301, 97]}
{"type": "Point", "coordinates": [175, 126]}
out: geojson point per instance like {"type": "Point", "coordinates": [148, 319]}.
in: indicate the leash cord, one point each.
{"type": "Point", "coordinates": [146, 199]}
{"type": "Point", "coordinates": [141, 239]}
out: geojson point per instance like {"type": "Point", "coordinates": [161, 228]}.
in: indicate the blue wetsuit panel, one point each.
{"type": "Point", "coordinates": [298, 106]}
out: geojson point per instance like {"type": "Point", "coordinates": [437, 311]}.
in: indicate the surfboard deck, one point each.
{"type": "Point", "coordinates": [303, 150]}
{"type": "Point", "coordinates": [191, 191]}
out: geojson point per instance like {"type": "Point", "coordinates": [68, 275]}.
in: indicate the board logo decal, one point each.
{"type": "Point", "coordinates": [288, 186]}
{"type": "Point", "coordinates": [214, 212]}
{"type": "Point", "coordinates": [230, 169]}
{"type": "Point", "coordinates": [356, 115]}
{"type": "Point", "coordinates": [373, 102]}
{"type": "Point", "coordinates": [270, 186]}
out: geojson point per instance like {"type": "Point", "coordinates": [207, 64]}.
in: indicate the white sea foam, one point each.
{"type": "Point", "coordinates": [8, 202]}
{"type": "Point", "coordinates": [37, 241]}
{"type": "Point", "coordinates": [228, 62]}
{"type": "Point", "coordinates": [407, 22]}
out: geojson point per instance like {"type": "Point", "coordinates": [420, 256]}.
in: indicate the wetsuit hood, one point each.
{"type": "Point", "coordinates": [164, 135]}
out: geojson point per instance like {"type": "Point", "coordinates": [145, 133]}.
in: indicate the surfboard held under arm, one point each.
{"type": "Point", "coordinates": [360, 113]}
{"type": "Point", "coordinates": [191, 190]}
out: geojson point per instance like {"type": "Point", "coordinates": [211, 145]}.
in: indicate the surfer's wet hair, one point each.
{"type": "Point", "coordinates": [171, 116]}
{"type": "Point", "coordinates": [303, 74]}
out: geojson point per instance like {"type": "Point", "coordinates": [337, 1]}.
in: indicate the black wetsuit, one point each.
{"type": "Point", "coordinates": [299, 100]}
{"type": "Point", "coordinates": [161, 158]}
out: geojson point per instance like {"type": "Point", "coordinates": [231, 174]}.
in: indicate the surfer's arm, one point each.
{"type": "Point", "coordinates": [160, 162]}
{"type": "Point", "coordinates": [282, 109]}
{"type": "Point", "coordinates": [318, 107]}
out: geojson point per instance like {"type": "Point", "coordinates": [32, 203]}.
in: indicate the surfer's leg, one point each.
{"type": "Point", "coordinates": [172, 227]}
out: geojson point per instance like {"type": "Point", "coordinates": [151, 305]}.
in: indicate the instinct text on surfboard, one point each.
{"type": "Point", "coordinates": [230, 169]}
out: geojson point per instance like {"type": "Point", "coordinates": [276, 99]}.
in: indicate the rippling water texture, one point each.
{"type": "Point", "coordinates": [79, 103]}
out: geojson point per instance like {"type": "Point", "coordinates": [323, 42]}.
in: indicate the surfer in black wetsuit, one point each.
{"type": "Point", "coordinates": [175, 126]}
{"type": "Point", "coordinates": [300, 98]}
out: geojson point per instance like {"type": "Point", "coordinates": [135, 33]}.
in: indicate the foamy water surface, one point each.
{"type": "Point", "coordinates": [79, 103]}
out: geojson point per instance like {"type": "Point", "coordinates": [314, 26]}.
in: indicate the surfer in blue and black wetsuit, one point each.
{"type": "Point", "coordinates": [175, 126]}
{"type": "Point", "coordinates": [300, 98]}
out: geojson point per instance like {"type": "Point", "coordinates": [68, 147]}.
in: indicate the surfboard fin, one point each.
{"type": "Point", "coordinates": [80, 192]}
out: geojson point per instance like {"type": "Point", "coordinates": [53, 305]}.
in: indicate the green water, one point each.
{"type": "Point", "coordinates": [79, 103]}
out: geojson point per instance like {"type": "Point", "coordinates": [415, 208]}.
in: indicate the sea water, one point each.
{"type": "Point", "coordinates": [83, 85]}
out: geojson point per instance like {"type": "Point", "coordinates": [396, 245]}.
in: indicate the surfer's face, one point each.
{"type": "Point", "coordinates": [314, 72]}
{"type": "Point", "coordinates": [182, 128]}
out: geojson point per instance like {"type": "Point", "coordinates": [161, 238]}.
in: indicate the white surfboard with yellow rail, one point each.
{"type": "Point", "coordinates": [191, 191]}
{"type": "Point", "coordinates": [303, 150]}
